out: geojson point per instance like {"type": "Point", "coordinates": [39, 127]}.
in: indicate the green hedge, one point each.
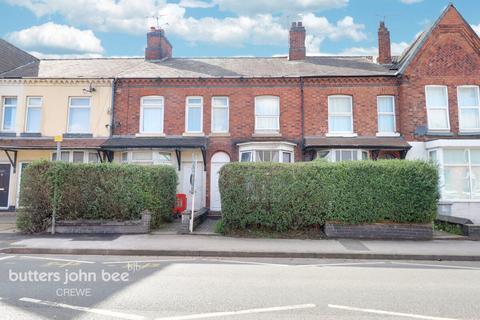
{"type": "Point", "coordinates": [94, 191]}
{"type": "Point", "coordinates": [283, 197]}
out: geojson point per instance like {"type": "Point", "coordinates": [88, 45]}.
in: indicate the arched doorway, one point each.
{"type": "Point", "coordinates": [218, 160]}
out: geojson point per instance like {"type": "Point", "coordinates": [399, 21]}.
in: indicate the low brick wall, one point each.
{"type": "Point", "coordinates": [379, 231]}
{"type": "Point", "coordinates": [104, 227]}
{"type": "Point", "coordinates": [472, 231]}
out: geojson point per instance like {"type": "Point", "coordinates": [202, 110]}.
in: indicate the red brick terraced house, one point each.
{"type": "Point", "coordinates": [423, 104]}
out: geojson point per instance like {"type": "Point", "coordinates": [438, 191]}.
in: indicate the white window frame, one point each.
{"type": "Point", "coordinates": [477, 107]}
{"type": "Point", "coordinates": [379, 113]}
{"type": "Point", "coordinates": [29, 106]}
{"type": "Point", "coordinates": [272, 130]}
{"type": "Point", "coordinates": [151, 106]}
{"type": "Point", "coordinates": [350, 114]}
{"type": "Point", "coordinates": [281, 147]}
{"type": "Point", "coordinates": [332, 157]}
{"type": "Point", "coordinates": [447, 108]}
{"type": "Point", "coordinates": [4, 106]}
{"type": "Point", "coordinates": [221, 107]}
{"type": "Point", "coordinates": [187, 106]}
{"type": "Point", "coordinates": [155, 160]}
{"type": "Point", "coordinates": [89, 107]}
{"type": "Point", "coordinates": [70, 155]}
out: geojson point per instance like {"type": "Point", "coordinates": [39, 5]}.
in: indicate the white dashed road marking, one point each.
{"type": "Point", "coordinates": [240, 312]}
{"type": "Point", "coordinates": [6, 257]}
{"type": "Point", "coordinates": [115, 314]}
{"type": "Point", "coordinates": [148, 261]}
{"type": "Point", "coordinates": [388, 313]}
{"type": "Point", "coordinates": [57, 259]}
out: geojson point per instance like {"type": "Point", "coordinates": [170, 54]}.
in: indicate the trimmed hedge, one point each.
{"type": "Point", "coordinates": [283, 197]}
{"type": "Point", "coordinates": [94, 192]}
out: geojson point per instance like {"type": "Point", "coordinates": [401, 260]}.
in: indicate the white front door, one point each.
{"type": "Point", "coordinates": [219, 159]}
{"type": "Point", "coordinates": [199, 173]}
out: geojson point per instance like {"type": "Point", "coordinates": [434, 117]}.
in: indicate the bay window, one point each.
{"type": "Point", "coordinates": [267, 114]}
{"type": "Point", "coordinates": [281, 152]}
{"type": "Point", "coordinates": [468, 108]}
{"type": "Point", "coordinates": [338, 155]}
{"type": "Point", "coordinates": [151, 115]}
{"type": "Point", "coordinates": [220, 106]}
{"type": "Point", "coordinates": [34, 112]}
{"type": "Point", "coordinates": [340, 115]}
{"type": "Point", "coordinates": [9, 113]}
{"type": "Point", "coordinates": [147, 157]}
{"type": "Point", "coordinates": [194, 118]}
{"type": "Point", "coordinates": [459, 173]}
{"type": "Point", "coordinates": [437, 108]}
{"type": "Point", "coordinates": [386, 115]}
{"type": "Point", "coordinates": [79, 115]}
{"type": "Point", "coordinates": [77, 156]}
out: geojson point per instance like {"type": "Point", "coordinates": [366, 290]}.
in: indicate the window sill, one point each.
{"type": "Point", "coordinates": [193, 134]}
{"type": "Point", "coordinates": [8, 134]}
{"type": "Point", "coordinates": [30, 134]}
{"type": "Point", "coordinates": [267, 134]}
{"type": "Point", "coordinates": [388, 134]}
{"type": "Point", "coordinates": [150, 135]}
{"type": "Point", "coordinates": [347, 135]}
{"type": "Point", "coordinates": [219, 134]}
{"type": "Point", "coordinates": [78, 135]}
{"type": "Point", "coordinates": [439, 133]}
{"type": "Point", "coordinates": [469, 133]}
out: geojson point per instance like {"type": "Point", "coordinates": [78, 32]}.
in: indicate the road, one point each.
{"type": "Point", "coordinates": [107, 287]}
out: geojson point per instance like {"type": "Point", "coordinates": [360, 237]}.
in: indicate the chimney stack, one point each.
{"type": "Point", "coordinates": [158, 46]}
{"type": "Point", "coordinates": [384, 50]}
{"type": "Point", "coordinates": [297, 42]}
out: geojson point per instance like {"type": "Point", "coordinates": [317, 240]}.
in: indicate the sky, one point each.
{"type": "Point", "coordinates": [216, 28]}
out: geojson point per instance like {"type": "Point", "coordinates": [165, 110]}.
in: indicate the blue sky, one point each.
{"type": "Point", "coordinates": [94, 28]}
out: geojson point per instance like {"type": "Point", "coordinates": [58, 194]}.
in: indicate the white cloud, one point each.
{"type": "Point", "coordinates": [397, 49]}
{"type": "Point", "coordinates": [410, 1]}
{"type": "Point", "coordinates": [476, 28]}
{"type": "Point", "coordinates": [195, 4]}
{"type": "Point", "coordinates": [42, 55]}
{"type": "Point", "coordinates": [278, 6]}
{"type": "Point", "coordinates": [52, 36]}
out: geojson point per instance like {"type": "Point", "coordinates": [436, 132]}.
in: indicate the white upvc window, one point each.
{"type": "Point", "coordinates": [459, 173]}
{"type": "Point", "coordinates": [340, 115]}
{"type": "Point", "coordinates": [436, 98]}
{"type": "Point", "coordinates": [151, 115]}
{"type": "Point", "coordinates": [220, 114]}
{"type": "Point", "coordinates": [386, 115]}
{"type": "Point", "coordinates": [267, 114]}
{"type": "Point", "coordinates": [147, 157]}
{"type": "Point", "coordinates": [338, 155]}
{"type": "Point", "coordinates": [194, 115]}
{"type": "Point", "coordinates": [281, 152]}
{"type": "Point", "coordinates": [79, 115]}
{"type": "Point", "coordinates": [77, 156]}
{"type": "Point", "coordinates": [468, 108]}
{"type": "Point", "coordinates": [33, 114]}
{"type": "Point", "coordinates": [9, 114]}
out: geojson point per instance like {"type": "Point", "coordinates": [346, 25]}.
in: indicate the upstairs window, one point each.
{"type": "Point", "coordinates": [9, 113]}
{"type": "Point", "coordinates": [34, 113]}
{"type": "Point", "coordinates": [437, 108]}
{"type": "Point", "coordinates": [194, 119]}
{"type": "Point", "coordinates": [151, 115]}
{"type": "Point", "coordinates": [220, 107]}
{"type": "Point", "coordinates": [386, 114]}
{"type": "Point", "coordinates": [340, 115]}
{"type": "Point", "coordinates": [79, 115]}
{"type": "Point", "coordinates": [469, 108]}
{"type": "Point", "coordinates": [267, 114]}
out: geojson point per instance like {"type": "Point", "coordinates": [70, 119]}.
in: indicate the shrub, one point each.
{"type": "Point", "coordinates": [297, 196]}
{"type": "Point", "coordinates": [94, 192]}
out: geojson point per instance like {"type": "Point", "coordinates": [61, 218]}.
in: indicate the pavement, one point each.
{"type": "Point", "coordinates": [181, 288]}
{"type": "Point", "coordinates": [219, 246]}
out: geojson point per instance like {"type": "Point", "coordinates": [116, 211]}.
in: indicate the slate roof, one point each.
{"type": "Point", "coordinates": [131, 142]}
{"type": "Point", "coordinates": [48, 143]}
{"type": "Point", "coordinates": [12, 57]}
{"type": "Point", "coordinates": [393, 143]}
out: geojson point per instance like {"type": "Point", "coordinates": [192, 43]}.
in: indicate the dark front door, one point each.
{"type": "Point", "coordinates": [4, 183]}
